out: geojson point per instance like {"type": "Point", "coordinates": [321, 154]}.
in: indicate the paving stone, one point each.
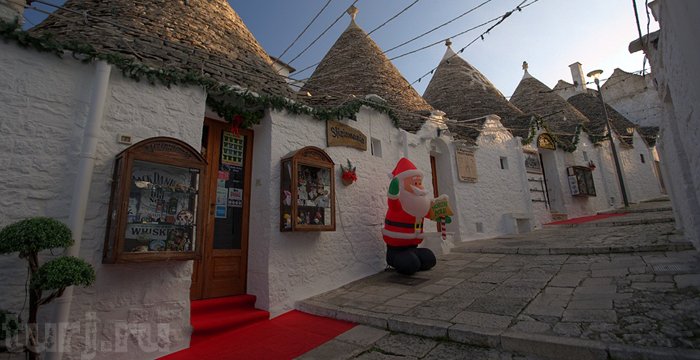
{"type": "Point", "coordinates": [445, 313]}
{"type": "Point", "coordinates": [482, 320]}
{"type": "Point", "coordinates": [609, 272]}
{"type": "Point", "coordinates": [589, 316]}
{"type": "Point", "coordinates": [333, 350]}
{"type": "Point", "coordinates": [601, 304]}
{"type": "Point", "coordinates": [449, 281]}
{"type": "Point", "coordinates": [568, 279]}
{"type": "Point", "coordinates": [597, 281]}
{"type": "Point", "coordinates": [687, 280]}
{"type": "Point", "coordinates": [435, 289]}
{"type": "Point", "coordinates": [406, 345]}
{"type": "Point", "coordinates": [600, 289]}
{"type": "Point", "coordinates": [498, 305]}
{"type": "Point", "coordinates": [567, 329]}
{"type": "Point", "coordinates": [491, 277]}
{"type": "Point", "coordinates": [474, 335]}
{"type": "Point", "coordinates": [403, 303]}
{"type": "Point", "coordinates": [416, 326]}
{"type": "Point", "coordinates": [558, 290]}
{"type": "Point", "coordinates": [416, 296]}
{"type": "Point", "coordinates": [531, 327]}
{"type": "Point", "coordinates": [389, 309]}
{"type": "Point", "coordinates": [515, 292]}
{"type": "Point", "coordinates": [652, 286]}
{"type": "Point", "coordinates": [553, 347]}
{"type": "Point", "coordinates": [362, 335]}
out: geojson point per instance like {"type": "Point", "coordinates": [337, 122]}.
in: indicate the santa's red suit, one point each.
{"type": "Point", "coordinates": [400, 227]}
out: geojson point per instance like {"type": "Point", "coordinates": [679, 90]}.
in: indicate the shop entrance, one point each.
{"type": "Point", "coordinates": [222, 268]}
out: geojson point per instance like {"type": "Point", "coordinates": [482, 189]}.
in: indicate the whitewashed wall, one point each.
{"type": "Point", "coordinates": [44, 104]}
{"type": "Point", "coordinates": [674, 66]}
{"type": "Point", "coordinates": [498, 193]}
{"type": "Point", "coordinates": [287, 267]}
{"type": "Point", "coordinates": [640, 178]}
{"type": "Point", "coordinates": [634, 96]}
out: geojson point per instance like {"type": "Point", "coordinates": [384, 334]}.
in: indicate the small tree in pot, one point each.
{"type": "Point", "coordinates": [29, 237]}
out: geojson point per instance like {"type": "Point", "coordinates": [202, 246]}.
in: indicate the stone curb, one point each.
{"type": "Point", "coordinates": [676, 246]}
{"type": "Point", "coordinates": [546, 346]}
{"type": "Point", "coordinates": [636, 211]}
{"type": "Point", "coordinates": [608, 223]}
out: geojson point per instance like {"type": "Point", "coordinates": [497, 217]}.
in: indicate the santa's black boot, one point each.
{"type": "Point", "coordinates": [403, 259]}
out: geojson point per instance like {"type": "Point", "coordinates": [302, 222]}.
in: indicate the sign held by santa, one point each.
{"type": "Point", "coordinates": [409, 204]}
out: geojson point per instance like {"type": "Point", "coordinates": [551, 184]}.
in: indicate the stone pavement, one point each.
{"type": "Point", "coordinates": [635, 295]}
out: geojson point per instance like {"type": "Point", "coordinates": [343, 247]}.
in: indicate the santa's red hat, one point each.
{"type": "Point", "coordinates": [405, 168]}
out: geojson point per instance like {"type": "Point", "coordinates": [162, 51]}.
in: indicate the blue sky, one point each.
{"type": "Point", "coordinates": [549, 35]}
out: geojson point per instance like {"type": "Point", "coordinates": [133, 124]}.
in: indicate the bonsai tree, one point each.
{"type": "Point", "coordinates": [29, 237]}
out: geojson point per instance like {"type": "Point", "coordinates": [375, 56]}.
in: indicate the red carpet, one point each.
{"type": "Point", "coordinates": [584, 219]}
{"type": "Point", "coordinates": [284, 337]}
{"type": "Point", "coordinates": [212, 317]}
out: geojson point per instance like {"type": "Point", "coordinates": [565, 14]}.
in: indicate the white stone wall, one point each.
{"type": "Point", "coordinates": [498, 193]}
{"type": "Point", "coordinates": [674, 64]}
{"type": "Point", "coordinates": [633, 96]}
{"type": "Point", "coordinates": [287, 267]}
{"type": "Point", "coordinates": [44, 101]}
{"type": "Point", "coordinates": [640, 178]}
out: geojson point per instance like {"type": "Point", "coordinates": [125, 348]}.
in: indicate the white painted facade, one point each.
{"type": "Point", "coordinates": [634, 96]}
{"type": "Point", "coordinates": [674, 63]}
{"type": "Point", "coordinates": [44, 102]}
{"type": "Point", "coordinates": [286, 266]}
{"type": "Point", "coordinates": [499, 199]}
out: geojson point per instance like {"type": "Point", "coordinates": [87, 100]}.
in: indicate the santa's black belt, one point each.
{"type": "Point", "coordinates": [403, 225]}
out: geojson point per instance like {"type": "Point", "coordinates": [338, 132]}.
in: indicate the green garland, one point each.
{"type": "Point", "coordinates": [540, 123]}
{"type": "Point", "coordinates": [228, 101]}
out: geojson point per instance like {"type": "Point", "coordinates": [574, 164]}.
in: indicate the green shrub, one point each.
{"type": "Point", "coordinates": [33, 235]}
{"type": "Point", "coordinates": [63, 272]}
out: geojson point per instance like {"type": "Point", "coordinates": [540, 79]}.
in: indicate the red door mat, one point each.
{"type": "Point", "coordinates": [284, 337]}
{"type": "Point", "coordinates": [584, 219]}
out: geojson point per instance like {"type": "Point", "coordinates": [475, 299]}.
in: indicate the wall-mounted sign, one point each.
{"type": "Point", "coordinates": [339, 134]}
{"type": "Point", "coordinates": [545, 141]}
{"type": "Point", "coordinates": [532, 163]}
{"type": "Point", "coordinates": [466, 165]}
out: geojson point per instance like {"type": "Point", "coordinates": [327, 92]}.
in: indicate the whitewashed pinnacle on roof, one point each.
{"type": "Point", "coordinates": [355, 67]}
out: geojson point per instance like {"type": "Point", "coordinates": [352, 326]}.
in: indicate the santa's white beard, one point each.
{"type": "Point", "coordinates": [416, 205]}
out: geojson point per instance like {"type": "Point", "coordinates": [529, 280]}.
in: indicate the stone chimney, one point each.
{"type": "Point", "coordinates": [577, 76]}
{"type": "Point", "coordinates": [11, 10]}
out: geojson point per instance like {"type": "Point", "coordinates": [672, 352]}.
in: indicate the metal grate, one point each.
{"type": "Point", "coordinates": [671, 268]}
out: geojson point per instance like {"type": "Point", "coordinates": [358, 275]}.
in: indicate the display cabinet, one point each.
{"type": "Point", "coordinates": [154, 212]}
{"type": "Point", "coordinates": [307, 191]}
{"type": "Point", "coordinates": [581, 181]}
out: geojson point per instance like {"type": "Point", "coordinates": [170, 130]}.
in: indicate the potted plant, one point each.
{"type": "Point", "coordinates": [29, 237]}
{"type": "Point", "coordinates": [349, 176]}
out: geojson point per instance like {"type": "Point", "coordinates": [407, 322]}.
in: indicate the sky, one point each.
{"type": "Point", "coordinates": [549, 34]}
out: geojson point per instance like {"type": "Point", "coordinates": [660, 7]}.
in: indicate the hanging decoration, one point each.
{"type": "Point", "coordinates": [224, 99]}
{"type": "Point", "coordinates": [349, 175]}
{"type": "Point", "coordinates": [591, 165]}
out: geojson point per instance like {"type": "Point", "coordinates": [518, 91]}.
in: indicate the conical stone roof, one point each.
{"type": "Point", "coordinates": [355, 67]}
{"type": "Point", "coordinates": [562, 118]}
{"type": "Point", "coordinates": [202, 36]}
{"type": "Point", "coordinates": [464, 93]}
{"type": "Point", "coordinates": [590, 106]}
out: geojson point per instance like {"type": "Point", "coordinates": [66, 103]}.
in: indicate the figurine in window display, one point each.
{"type": "Point", "coordinates": [409, 203]}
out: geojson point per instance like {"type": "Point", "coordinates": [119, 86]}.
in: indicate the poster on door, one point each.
{"type": "Point", "coordinates": [232, 149]}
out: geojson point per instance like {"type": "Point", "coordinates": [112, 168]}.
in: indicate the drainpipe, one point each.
{"type": "Point", "coordinates": [81, 191]}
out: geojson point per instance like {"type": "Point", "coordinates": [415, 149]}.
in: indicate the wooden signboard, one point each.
{"type": "Point", "coordinates": [339, 134]}
{"type": "Point", "coordinates": [466, 165]}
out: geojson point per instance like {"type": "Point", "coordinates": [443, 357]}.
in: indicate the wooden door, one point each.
{"type": "Point", "coordinates": [222, 269]}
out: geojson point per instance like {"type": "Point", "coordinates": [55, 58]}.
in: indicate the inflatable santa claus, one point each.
{"type": "Point", "coordinates": [409, 203]}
